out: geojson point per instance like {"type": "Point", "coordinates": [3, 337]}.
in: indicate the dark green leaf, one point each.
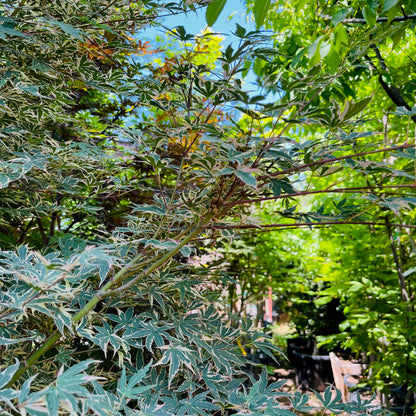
{"type": "Point", "coordinates": [369, 15]}
{"type": "Point", "coordinates": [240, 31]}
{"type": "Point", "coordinates": [351, 109]}
{"type": "Point", "coordinates": [279, 185]}
{"type": "Point", "coordinates": [213, 11]}
{"type": "Point", "coordinates": [7, 31]}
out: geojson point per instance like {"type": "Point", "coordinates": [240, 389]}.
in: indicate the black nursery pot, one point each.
{"type": "Point", "coordinates": [312, 371]}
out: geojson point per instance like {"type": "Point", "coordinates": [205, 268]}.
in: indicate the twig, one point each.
{"type": "Point", "coordinates": [333, 159]}
{"type": "Point", "coordinates": [378, 20]}
{"type": "Point", "coordinates": [303, 224]}
{"type": "Point", "coordinates": [302, 193]}
{"type": "Point", "coordinates": [392, 91]}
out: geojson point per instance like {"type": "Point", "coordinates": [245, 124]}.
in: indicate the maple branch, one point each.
{"type": "Point", "coordinates": [321, 191]}
{"type": "Point", "coordinates": [333, 159]}
{"type": "Point", "coordinates": [378, 19]}
{"type": "Point", "coordinates": [381, 19]}
{"type": "Point", "coordinates": [260, 227]}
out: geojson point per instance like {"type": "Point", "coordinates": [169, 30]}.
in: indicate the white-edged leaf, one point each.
{"type": "Point", "coordinates": [69, 29]}
{"type": "Point", "coordinates": [186, 251]}
{"type": "Point", "coordinates": [130, 390]}
{"type": "Point", "coordinates": [150, 209]}
{"type": "Point", "coordinates": [11, 341]}
{"type": "Point", "coordinates": [162, 244]}
{"type": "Point", "coordinates": [8, 31]}
{"type": "Point", "coordinates": [246, 177]}
{"type": "Point", "coordinates": [409, 272]}
{"type": "Point", "coordinates": [7, 374]}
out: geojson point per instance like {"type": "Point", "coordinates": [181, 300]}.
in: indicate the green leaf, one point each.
{"type": "Point", "coordinates": [324, 49]}
{"type": "Point", "coordinates": [352, 109]}
{"type": "Point", "coordinates": [225, 171]}
{"type": "Point", "coordinates": [278, 186]}
{"type": "Point", "coordinates": [333, 60]}
{"type": "Point", "coordinates": [151, 209]}
{"type": "Point", "coordinates": [369, 16]}
{"type": "Point", "coordinates": [298, 57]}
{"type": "Point", "coordinates": [52, 401]}
{"type": "Point", "coordinates": [322, 300]}
{"type": "Point", "coordinates": [178, 355]}
{"type": "Point", "coordinates": [106, 335]}
{"type": "Point", "coordinates": [403, 111]}
{"type": "Point", "coordinates": [260, 10]}
{"type": "Point", "coordinates": [314, 47]}
{"type": "Point", "coordinates": [11, 341]}
{"type": "Point", "coordinates": [167, 245]}
{"type": "Point", "coordinates": [388, 4]}
{"type": "Point", "coordinates": [186, 251]}
{"type": "Point", "coordinates": [299, 5]}
{"type": "Point", "coordinates": [214, 9]}
{"type": "Point", "coordinates": [75, 371]}
{"type": "Point", "coordinates": [25, 390]}
{"type": "Point", "coordinates": [30, 89]}
{"type": "Point", "coordinates": [340, 15]}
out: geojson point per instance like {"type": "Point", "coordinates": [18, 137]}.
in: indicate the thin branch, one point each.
{"type": "Point", "coordinates": [382, 19]}
{"type": "Point", "coordinates": [379, 57]}
{"type": "Point", "coordinates": [142, 18]}
{"type": "Point", "coordinates": [334, 159]}
{"type": "Point", "coordinates": [402, 280]}
{"type": "Point", "coordinates": [25, 230]}
{"type": "Point", "coordinates": [378, 20]}
{"type": "Point", "coordinates": [54, 217]}
{"type": "Point", "coordinates": [392, 91]}
{"type": "Point", "coordinates": [303, 224]}
{"type": "Point", "coordinates": [99, 12]}
{"type": "Point", "coordinates": [322, 191]}
{"type": "Point", "coordinates": [45, 238]}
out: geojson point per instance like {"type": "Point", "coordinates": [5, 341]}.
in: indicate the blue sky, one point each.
{"type": "Point", "coordinates": [194, 23]}
{"type": "Point", "coordinates": [234, 12]}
